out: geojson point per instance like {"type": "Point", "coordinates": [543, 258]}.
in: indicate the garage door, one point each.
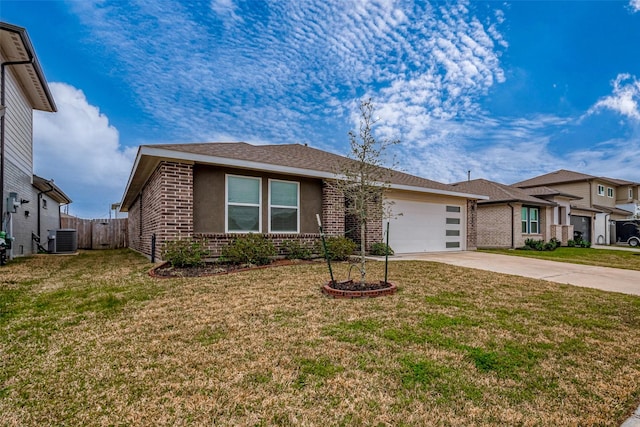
{"type": "Point", "coordinates": [426, 227]}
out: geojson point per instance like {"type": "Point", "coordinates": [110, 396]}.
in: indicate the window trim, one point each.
{"type": "Point", "coordinates": [281, 206]}
{"type": "Point", "coordinates": [226, 204]}
{"type": "Point", "coordinates": [526, 219]}
{"type": "Point", "coordinates": [600, 190]}
{"type": "Point", "coordinates": [610, 193]}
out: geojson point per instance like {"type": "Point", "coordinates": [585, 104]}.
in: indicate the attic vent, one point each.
{"type": "Point", "coordinates": [63, 241]}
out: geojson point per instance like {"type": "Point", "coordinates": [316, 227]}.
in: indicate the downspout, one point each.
{"type": "Point", "coordinates": [51, 188]}
{"type": "Point", "coordinates": [513, 237]}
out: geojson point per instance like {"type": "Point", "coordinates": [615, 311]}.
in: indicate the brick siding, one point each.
{"type": "Point", "coordinates": [216, 241]}
{"type": "Point", "coordinates": [472, 225]}
{"type": "Point", "coordinates": [163, 208]}
{"type": "Point", "coordinates": [333, 215]}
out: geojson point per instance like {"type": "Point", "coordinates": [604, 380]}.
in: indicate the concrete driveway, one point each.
{"type": "Point", "coordinates": [605, 278]}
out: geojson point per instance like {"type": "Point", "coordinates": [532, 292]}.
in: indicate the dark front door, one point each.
{"type": "Point", "coordinates": [581, 227]}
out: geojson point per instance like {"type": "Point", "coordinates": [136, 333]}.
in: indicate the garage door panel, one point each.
{"type": "Point", "coordinates": [423, 227]}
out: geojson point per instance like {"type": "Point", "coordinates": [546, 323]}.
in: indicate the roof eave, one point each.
{"type": "Point", "coordinates": [30, 51]}
{"type": "Point", "coordinates": [136, 182]}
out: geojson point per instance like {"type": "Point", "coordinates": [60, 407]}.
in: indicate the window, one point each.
{"type": "Point", "coordinates": [452, 232]}
{"type": "Point", "coordinates": [284, 207]}
{"type": "Point", "coordinates": [453, 221]}
{"type": "Point", "coordinates": [453, 208]}
{"type": "Point", "coordinates": [631, 192]}
{"type": "Point", "coordinates": [530, 220]}
{"type": "Point", "coordinates": [600, 190]}
{"type": "Point", "coordinates": [243, 204]}
{"type": "Point", "coordinates": [609, 192]}
{"type": "Point", "coordinates": [452, 245]}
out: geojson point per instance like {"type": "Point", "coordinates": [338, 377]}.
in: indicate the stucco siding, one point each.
{"type": "Point", "coordinates": [210, 197]}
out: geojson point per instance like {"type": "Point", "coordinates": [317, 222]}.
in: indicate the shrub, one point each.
{"type": "Point", "coordinates": [579, 242]}
{"type": "Point", "coordinates": [540, 245]}
{"type": "Point", "coordinates": [536, 245]}
{"type": "Point", "coordinates": [571, 243]}
{"type": "Point", "coordinates": [381, 249]}
{"type": "Point", "coordinates": [252, 248]}
{"type": "Point", "coordinates": [339, 248]}
{"type": "Point", "coordinates": [296, 250]}
{"type": "Point", "coordinates": [185, 253]}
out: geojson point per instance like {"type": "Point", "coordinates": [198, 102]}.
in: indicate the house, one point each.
{"type": "Point", "coordinates": [511, 215]}
{"type": "Point", "coordinates": [217, 191]}
{"type": "Point", "coordinates": [598, 200]}
{"type": "Point", "coordinates": [30, 204]}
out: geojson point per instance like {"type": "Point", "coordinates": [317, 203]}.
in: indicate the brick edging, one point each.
{"type": "Point", "coordinates": [345, 294]}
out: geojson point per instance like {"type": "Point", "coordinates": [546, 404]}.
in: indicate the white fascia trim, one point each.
{"type": "Point", "coordinates": [245, 164]}
{"type": "Point", "coordinates": [136, 162]}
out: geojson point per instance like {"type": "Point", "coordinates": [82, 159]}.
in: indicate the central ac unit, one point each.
{"type": "Point", "coordinates": [63, 241]}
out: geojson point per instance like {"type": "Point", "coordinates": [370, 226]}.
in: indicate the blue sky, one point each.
{"type": "Point", "coordinates": [507, 90]}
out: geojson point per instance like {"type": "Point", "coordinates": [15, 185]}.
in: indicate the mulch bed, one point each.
{"type": "Point", "coordinates": [353, 289]}
{"type": "Point", "coordinates": [165, 270]}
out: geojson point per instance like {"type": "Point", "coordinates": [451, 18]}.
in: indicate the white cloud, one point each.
{"type": "Point", "coordinates": [80, 150]}
{"type": "Point", "coordinates": [225, 9]}
{"type": "Point", "coordinates": [634, 5]}
{"type": "Point", "coordinates": [624, 99]}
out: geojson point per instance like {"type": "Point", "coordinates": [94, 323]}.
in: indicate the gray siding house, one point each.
{"type": "Point", "coordinates": [30, 204]}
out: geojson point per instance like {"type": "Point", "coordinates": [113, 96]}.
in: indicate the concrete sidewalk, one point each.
{"type": "Point", "coordinates": [605, 278]}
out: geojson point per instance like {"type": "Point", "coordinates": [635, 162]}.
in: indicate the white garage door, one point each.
{"type": "Point", "coordinates": [426, 227]}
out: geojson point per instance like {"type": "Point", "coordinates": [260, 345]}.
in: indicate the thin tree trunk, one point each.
{"type": "Point", "coordinates": [363, 234]}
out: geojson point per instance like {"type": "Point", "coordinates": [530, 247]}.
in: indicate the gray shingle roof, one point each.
{"type": "Point", "coordinates": [292, 155]}
{"type": "Point", "coordinates": [499, 193]}
{"type": "Point", "coordinates": [563, 176]}
{"type": "Point", "coordinates": [546, 191]}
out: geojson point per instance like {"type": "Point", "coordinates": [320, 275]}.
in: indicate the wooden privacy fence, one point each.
{"type": "Point", "coordinates": [98, 233]}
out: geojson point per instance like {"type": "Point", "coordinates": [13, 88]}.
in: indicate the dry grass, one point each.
{"type": "Point", "coordinates": [92, 340]}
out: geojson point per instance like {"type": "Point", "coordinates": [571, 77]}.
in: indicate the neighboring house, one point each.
{"type": "Point", "coordinates": [510, 215]}
{"type": "Point", "coordinates": [217, 191]}
{"type": "Point", "coordinates": [628, 196]}
{"type": "Point", "coordinates": [30, 204]}
{"type": "Point", "coordinates": [597, 201]}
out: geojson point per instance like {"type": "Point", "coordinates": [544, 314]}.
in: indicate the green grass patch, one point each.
{"type": "Point", "coordinates": [629, 260]}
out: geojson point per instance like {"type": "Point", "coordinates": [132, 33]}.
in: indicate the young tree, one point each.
{"type": "Point", "coordinates": [363, 179]}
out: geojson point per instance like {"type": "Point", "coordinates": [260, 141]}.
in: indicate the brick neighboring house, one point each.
{"type": "Point", "coordinates": [597, 200]}
{"type": "Point", "coordinates": [218, 191]}
{"type": "Point", "coordinates": [511, 215]}
{"type": "Point", "coordinates": [30, 204]}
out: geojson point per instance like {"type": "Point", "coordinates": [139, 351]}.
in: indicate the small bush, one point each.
{"type": "Point", "coordinates": [253, 249]}
{"type": "Point", "coordinates": [296, 250]}
{"type": "Point", "coordinates": [339, 248]}
{"type": "Point", "coordinates": [540, 245]}
{"type": "Point", "coordinates": [381, 249]}
{"type": "Point", "coordinates": [185, 253]}
{"type": "Point", "coordinates": [579, 242]}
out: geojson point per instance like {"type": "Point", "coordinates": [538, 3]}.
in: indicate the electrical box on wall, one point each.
{"type": "Point", "coordinates": [13, 203]}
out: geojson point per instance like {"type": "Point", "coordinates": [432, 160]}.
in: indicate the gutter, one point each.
{"type": "Point", "coordinates": [51, 188]}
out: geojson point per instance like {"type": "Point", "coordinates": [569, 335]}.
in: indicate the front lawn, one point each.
{"type": "Point", "coordinates": [629, 260]}
{"type": "Point", "coordinates": [93, 340]}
